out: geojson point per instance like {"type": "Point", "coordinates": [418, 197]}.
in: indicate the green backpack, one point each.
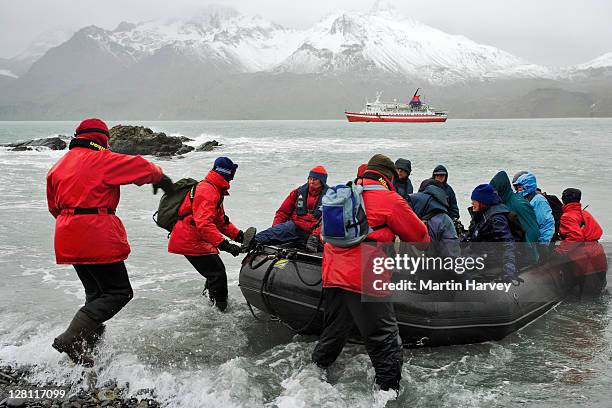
{"type": "Point", "coordinates": [167, 212]}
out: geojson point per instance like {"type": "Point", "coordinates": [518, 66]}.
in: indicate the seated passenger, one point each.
{"type": "Point", "coordinates": [299, 214]}
{"type": "Point", "coordinates": [526, 186]}
{"type": "Point", "coordinates": [580, 234]}
{"type": "Point", "coordinates": [490, 224]}
{"type": "Point", "coordinates": [402, 182]}
{"type": "Point", "coordinates": [430, 204]}
{"type": "Point", "coordinates": [441, 174]}
{"type": "Point", "coordinates": [518, 205]}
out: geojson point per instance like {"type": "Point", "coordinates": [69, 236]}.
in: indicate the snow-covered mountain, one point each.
{"type": "Point", "coordinates": [600, 67]}
{"type": "Point", "coordinates": [382, 40]}
{"type": "Point", "coordinates": [248, 43]}
{"type": "Point", "coordinates": [20, 63]}
{"type": "Point", "coordinates": [378, 41]}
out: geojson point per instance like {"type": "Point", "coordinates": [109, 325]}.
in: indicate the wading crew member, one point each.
{"type": "Point", "coordinates": [345, 306]}
{"type": "Point", "coordinates": [199, 233]}
{"type": "Point", "coordinates": [83, 194]}
{"type": "Point", "coordinates": [300, 213]}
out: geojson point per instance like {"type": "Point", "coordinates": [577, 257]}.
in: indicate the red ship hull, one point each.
{"type": "Point", "coordinates": [373, 117]}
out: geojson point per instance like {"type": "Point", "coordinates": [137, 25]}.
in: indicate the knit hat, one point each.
{"type": "Point", "coordinates": [403, 164]}
{"type": "Point", "coordinates": [93, 129]}
{"type": "Point", "coordinates": [319, 173]}
{"type": "Point", "coordinates": [571, 195]}
{"type": "Point", "coordinates": [383, 165]}
{"type": "Point", "coordinates": [485, 194]}
{"type": "Point", "coordinates": [225, 167]}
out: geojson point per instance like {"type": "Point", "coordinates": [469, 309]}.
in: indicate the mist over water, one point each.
{"type": "Point", "coordinates": [169, 339]}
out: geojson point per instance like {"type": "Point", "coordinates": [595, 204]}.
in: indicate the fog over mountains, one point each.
{"type": "Point", "coordinates": [221, 64]}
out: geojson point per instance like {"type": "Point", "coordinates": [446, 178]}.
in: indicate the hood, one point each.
{"type": "Point", "coordinates": [528, 182]}
{"type": "Point", "coordinates": [404, 164]}
{"type": "Point", "coordinates": [433, 198]}
{"type": "Point", "coordinates": [501, 183]}
{"type": "Point", "coordinates": [440, 169]}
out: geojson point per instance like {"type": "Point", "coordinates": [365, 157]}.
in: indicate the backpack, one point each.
{"type": "Point", "coordinates": [557, 210]}
{"type": "Point", "coordinates": [167, 212]}
{"type": "Point", "coordinates": [344, 221]}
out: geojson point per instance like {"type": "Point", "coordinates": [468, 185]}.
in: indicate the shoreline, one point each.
{"type": "Point", "coordinates": [14, 380]}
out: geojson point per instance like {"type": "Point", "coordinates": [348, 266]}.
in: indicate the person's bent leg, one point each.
{"type": "Point", "coordinates": [378, 326]}
{"type": "Point", "coordinates": [336, 329]}
{"type": "Point", "coordinates": [212, 268]}
{"type": "Point", "coordinates": [73, 341]}
{"type": "Point", "coordinates": [114, 283]}
{"type": "Point", "coordinates": [278, 234]}
{"type": "Point", "coordinates": [92, 292]}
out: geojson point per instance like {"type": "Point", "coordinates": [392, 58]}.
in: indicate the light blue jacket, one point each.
{"type": "Point", "coordinates": [544, 215]}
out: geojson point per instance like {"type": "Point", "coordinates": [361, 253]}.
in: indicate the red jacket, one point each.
{"type": "Point", "coordinates": [342, 267]}
{"type": "Point", "coordinates": [86, 178]}
{"type": "Point", "coordinates": [202, 230]}
{"type": "Point", "coordinates": [287, 211]}
{"type": "Point", "coordinates": [580, 233]}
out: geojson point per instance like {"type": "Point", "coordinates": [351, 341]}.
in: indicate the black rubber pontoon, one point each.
{"type": "Point", "coordinates": [286, 283]}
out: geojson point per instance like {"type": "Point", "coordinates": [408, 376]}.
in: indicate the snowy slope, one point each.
{"type": "Point", "coordinates": [381, 40]}
{"type": "Point", "coordinates": [378, 41]}
{"type": "Point", "coordinates": [600, 67]}
{"type": "Point", "coordinates": [251, 43]}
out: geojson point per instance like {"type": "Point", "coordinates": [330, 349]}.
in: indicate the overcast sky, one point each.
{"type": "Point", "coordinates": [548, 32]}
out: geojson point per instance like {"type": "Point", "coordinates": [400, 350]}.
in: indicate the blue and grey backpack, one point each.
{"type": "Point", "coordinates": [344, 221]}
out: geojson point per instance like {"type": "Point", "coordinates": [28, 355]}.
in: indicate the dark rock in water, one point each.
{"type": "Point", "coordinates": [185, 139]}
{"type": "Point", "coordinates": [185, 149]}
{"type": "Point", "coordinates": [53, 143]}
{"type": "Point", "coordinates": [208, 146]}
{"type": "Point", "coordinates": [141, 140]}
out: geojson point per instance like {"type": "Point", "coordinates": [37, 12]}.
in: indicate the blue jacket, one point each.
{"type": "Point", "coordinates": [543, 212]}
{"type": "Point", "coordinates": [431, 205]}
{"type": "Point", "coordinates": [491, 229]}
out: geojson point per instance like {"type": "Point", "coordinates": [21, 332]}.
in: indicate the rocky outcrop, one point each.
{"type": "Point", "coordinates": [53, 143]}
{"type": "Point", "coordinates": [141, 140]}
{"type": "Point", "coordinates": [208, 146]}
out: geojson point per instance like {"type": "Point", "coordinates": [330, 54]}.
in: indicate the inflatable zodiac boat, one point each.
{"type": "Point", "coordinates": [286, 283]}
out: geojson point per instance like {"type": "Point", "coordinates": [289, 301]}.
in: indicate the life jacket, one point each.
{"type": "Point", "coordinates": [301, 203]}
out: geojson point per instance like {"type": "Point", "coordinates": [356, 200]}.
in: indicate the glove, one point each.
{"type": "Point", "coordinates": [231, 248]}
{"type": "Point", "coordinates": [166, 184]}
{"type": "Point", "coordinates": [239, 237]}
{"type": "Point", "coordinates": [312, 245]}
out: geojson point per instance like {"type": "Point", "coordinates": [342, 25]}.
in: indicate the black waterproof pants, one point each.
{"type": "Point", "coordinates": [212, 268]}
{"type": "Point", "coordinates": [107, 289]}
{"type": "Point", "coordinates": [378, 327]}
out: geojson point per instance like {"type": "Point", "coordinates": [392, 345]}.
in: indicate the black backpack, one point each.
{"type": "Point", "coordinates": [167, 212]}
{"type": "Point", "coordinates": [557, 210]}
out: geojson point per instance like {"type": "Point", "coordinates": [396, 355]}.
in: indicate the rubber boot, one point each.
{"type": "Point", "coordinates": [248, 242]}
{"type": "Point", "coordinates": [72, 341]}
{"type": "Point", "coordinates": [94, 338]}
{"type": "Point", "coordinates": [221, 305]}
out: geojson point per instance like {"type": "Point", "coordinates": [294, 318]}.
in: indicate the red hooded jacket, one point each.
{"type": "Point", "coordinates": [580, 233]}
{"type": "Point", "coordinates": [202, 230]}
{"type": "Point", "coordinates": [85, 178]}
{"type": "Point", "coordinates": [287, 210]}
{"type": "Point", "coordinates": [342, 267]}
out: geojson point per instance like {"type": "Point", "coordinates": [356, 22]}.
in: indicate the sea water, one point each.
{"type": "Point", "coordinates": [171, 340]}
